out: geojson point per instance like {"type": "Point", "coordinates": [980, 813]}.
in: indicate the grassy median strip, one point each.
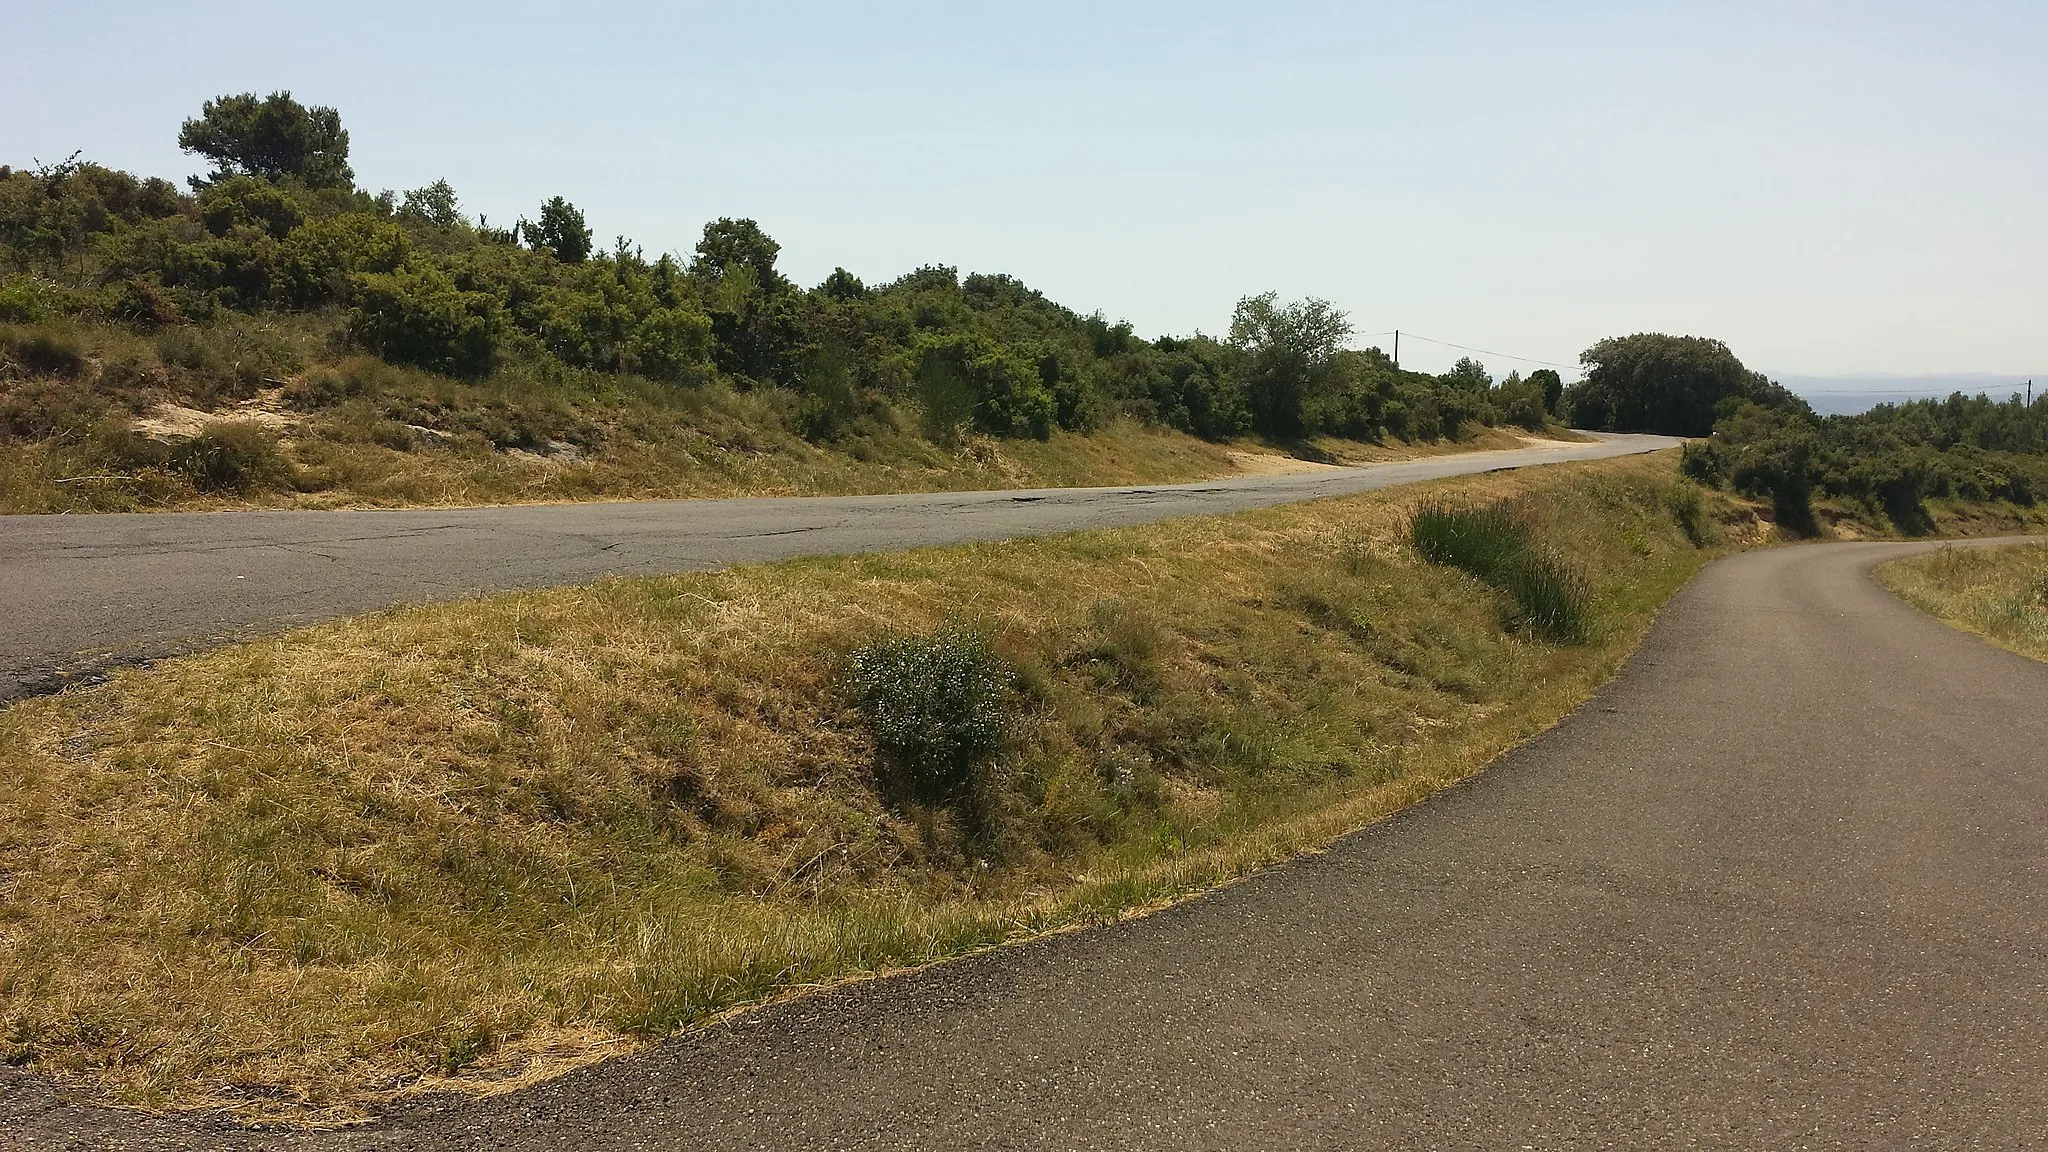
{"type": "Point", "coordinates": [2000, 594]}
{"type": "Point", "coordinates": [470, 843]}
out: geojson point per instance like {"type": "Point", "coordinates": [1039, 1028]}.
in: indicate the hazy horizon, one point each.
{"type": "Point", "coordinates": [1850, 394]}
{"type": "Point", "coordinates": [1831, 190]}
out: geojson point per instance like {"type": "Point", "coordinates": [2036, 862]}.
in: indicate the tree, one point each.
{"type": "Point", "coordinates": [832, 397]}
{"type": "Point", "coordinates": [274, 138]}
{"type": "Point", "coordinates": [754, 317]}
{"type": "Point", "coordinates": [434, 204]}
{"type": "Point", "coordinates": [1520, 402]}
{"type": "Point", "coordinates": [1553, 389]}
{"type": "Point", "coordinates": [561, 231]}
{"type": "Point", "coordinates": [843, 285]}
{"type": "Point", "coordinates": [1468, 374]}
{"type": "Point", "coordinates": [1286, 356]}
{"type": "Point", "coordinates": [730, 244]}
{"type": "Point", "coordinates": [1651, 382]}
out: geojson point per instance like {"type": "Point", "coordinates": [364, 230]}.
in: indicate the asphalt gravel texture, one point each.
{"type": "Point", "coordinates": [81, 594]}
{"type": "Point", "coordinates": [1778, 886]}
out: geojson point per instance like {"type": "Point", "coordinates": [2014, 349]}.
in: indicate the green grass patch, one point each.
{"type": "Point", "coordinates": [1498, 544]}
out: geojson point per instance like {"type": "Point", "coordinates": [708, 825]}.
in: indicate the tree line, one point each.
{"type": "Point", "coordinates": [1765, 441]}
{"type": "Point", "coordinates": [278, 225]}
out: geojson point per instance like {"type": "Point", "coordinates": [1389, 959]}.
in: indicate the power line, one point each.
{"type": "Point", "coordinates": [1464, 348]}
{"type": "Point", "coordinates": [1482, 351]}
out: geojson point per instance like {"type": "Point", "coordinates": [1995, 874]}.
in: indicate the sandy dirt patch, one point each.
{"type": "Point", "coordinates": [1273, 464]}
{"type": "Point", "coordinates": [179, 423]}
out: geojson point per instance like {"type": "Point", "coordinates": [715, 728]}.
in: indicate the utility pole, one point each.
{"type": "Point", "coordinates": [1397, 353]}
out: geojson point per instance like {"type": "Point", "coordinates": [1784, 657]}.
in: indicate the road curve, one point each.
{"type": "Point", "coordinates": [1779, 886]}
{"type": "Point", "coordinates": [85, 592]}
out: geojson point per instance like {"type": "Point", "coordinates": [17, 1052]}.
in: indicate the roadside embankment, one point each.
{"type": "Point", "coordinates": [103, 420]}
{"type": "Point", "coordinates": [472, 844]}
{"type": "Point", "coordinates": [2000, 593]}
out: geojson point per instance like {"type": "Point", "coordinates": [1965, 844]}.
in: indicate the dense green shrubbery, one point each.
{"type": "Point", "coordinates": [1496, 544]}
{"type": "Point", "coordinates": [278, 234]}
{"type": "Point", "coordinates": [277, 229]}
{"type": "Point", "coordinates": [419, 316]}
{"type": "Point", "coordinates": [1768, 443]}
{"type": "Point", "coordinates": [938, 707]}
{"type": "Point", "coordinates": [26, 300]}
{"type": "Point", "coordinates": [1889, 460]}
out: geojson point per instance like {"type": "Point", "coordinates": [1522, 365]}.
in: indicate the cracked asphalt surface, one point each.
{"type": "Point", "coordinates": [84, 593]}
{"type": "Point", "coordinates": [1778, 886]}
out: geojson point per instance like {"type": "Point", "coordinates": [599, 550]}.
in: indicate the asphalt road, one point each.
{"type": "Point", "coordinates": [1779, 886]}
{"type": "Point", "coordinates": [86, 592]}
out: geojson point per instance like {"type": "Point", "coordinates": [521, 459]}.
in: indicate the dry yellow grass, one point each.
{"type": "Point", "coordinates": [2000, 594]}
{"type": "Point", "coordinates": [481, 841]}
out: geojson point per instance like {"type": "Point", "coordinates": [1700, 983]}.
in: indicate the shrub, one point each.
{"type": "Point", "coordinates": [421, 317]}
{"type": "Point", "coordinates": [143, 302]}
{"type": "Point", "coordinates": [670, 345]}
{"type": "Point", "coordinates": [1689, 510]}
{"type": "Point", "coordinates": [1415, 416]}
{"type": "Point", "coordinates": [26, 299]}
{"type": "Point", "coordinates": [938, 706]}
{"type": "Point", "coordinates": [1894, 482]}
{"type": "Point", "coordinates": [40, 409]}
{"type": "Point", "coordinates": [231, 457]}
{"type": "Point", "coordinates": [962, 377]}
{"type": "Point", "coordinates": [188, 349]}
{"type": "Point", "coordinates": [1771, 452]}
{"type": "Point", "coordinates": [326, 387]}
{"type": "Point", "coordinates": [1494, 544]}
{"type": "Point", "coordinates": [356, 377]}
{"type": "Point", "coordinates": [321, 255]}
{"type": "Point", "coordinates": [945, 400]}
{"type": "Point", "coordinates": [1700, 461]}
{"type": "Point", "coordinates": [40, 352]}
{"type": "Point", "coordinates": [245, 200]}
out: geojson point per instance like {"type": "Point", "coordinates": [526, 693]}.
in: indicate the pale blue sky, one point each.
{"type": "Point", "coordinates": [1830, 187]}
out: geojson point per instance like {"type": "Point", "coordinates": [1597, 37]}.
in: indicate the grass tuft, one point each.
{"type": "Point", "coordinates": [1497, 544]}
